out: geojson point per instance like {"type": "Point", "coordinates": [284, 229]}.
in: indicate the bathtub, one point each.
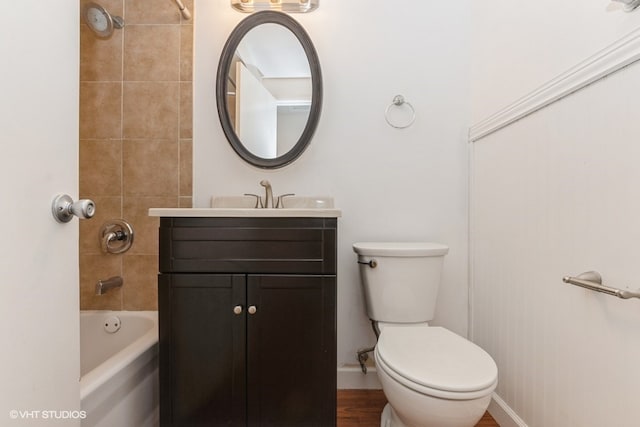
{"type": "Point", "coordinates": [119, 368]}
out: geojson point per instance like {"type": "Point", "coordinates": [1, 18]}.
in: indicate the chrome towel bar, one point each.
{"type": "Point", "coordinates": [592, 280]}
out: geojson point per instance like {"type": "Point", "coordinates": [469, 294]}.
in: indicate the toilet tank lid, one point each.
{"type": "Point", "coordinates": [400, 249]}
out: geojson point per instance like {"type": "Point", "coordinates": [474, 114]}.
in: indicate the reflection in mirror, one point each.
{"type": "Point", "coordinates": [269, 89]}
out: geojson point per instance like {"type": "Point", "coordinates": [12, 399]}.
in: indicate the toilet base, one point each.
{"type": "Point", "coordinates": [389, 418]}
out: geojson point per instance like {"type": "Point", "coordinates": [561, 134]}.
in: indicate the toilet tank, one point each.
{"type": "Point", "coordinates": [400, 280]}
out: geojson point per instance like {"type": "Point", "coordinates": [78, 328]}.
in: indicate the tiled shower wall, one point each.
{"type": "Point", "coordinates": [135, 142]}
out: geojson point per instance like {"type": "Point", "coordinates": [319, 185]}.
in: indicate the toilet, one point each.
{"type": "Point", "coordinates": [430, 376]}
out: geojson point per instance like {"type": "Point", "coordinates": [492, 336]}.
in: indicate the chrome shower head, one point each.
{"type": "Point", "coordinates": [100, 21]}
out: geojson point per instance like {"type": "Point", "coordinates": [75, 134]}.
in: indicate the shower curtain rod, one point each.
{"type": "Point", "coordinates": [183, 10]}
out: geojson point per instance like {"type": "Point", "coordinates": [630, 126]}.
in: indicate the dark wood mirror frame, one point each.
{"type": "Point", "coordinates": [226, 59]}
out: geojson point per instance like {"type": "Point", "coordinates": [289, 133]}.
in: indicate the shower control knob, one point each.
{"type": "Point", "coordinates": [64, 208]}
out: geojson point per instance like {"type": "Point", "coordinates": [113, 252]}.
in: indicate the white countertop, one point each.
{"type": "Point", "coordinates": [246, 212]}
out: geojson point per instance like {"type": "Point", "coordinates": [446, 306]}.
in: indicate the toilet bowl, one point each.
{"type": "Point", "coordinates": [430, 376]}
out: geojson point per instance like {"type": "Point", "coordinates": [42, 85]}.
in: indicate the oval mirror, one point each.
{"type": "Point", "coordinates": [269, 89]}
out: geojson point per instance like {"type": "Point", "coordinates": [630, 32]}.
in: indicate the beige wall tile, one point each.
{"type": "Point", "coordinates": [102, 58]}
{"type": "Point", "coordinates": [150, 168]}
{"type": "Point", "coordinates": [151, 12]}
{"type": "Point", "coordinates": [186, 168]}
{"type": "Point", "coordinates": [186, 110]}
{"type": "Point", "coordinates": [100, 167]}
{"type": "Point", "coordinates": [185, 202]}
{"type": "Point", "coordinates": [92, 269]}
{"type": "Point", "coordinates": [131, 157]}
{"type": "Point", "coordinates": [106, 208]}
{"type": "Point", "coordinates": [151, 110]}
{"type": "Point", "coordinates": [151, 52]}
{"type": "Point", "coordinates": [100, 110]}
{"type": "Point", "coordinates": [186, 53]}
{"type": "Point", "coordinates": [136, 211]}
{"type": "Point", "coordinates": [141, 289]}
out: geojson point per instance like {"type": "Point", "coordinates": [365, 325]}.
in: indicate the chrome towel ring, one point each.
{"type": "Point", "coordinates": [398, 101]}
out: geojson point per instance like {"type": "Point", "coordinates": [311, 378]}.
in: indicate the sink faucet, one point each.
{"type": "Point", "coordinates": [268, 198]}
{"type": "Point", "coordinates": [104, 285]}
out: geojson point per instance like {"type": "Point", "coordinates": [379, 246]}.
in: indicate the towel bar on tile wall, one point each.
{"type": "Point", "coordinates": [592, 280]}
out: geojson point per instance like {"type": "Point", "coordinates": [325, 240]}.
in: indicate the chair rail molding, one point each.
{"type": "Point", "coordinates": [614, 57]}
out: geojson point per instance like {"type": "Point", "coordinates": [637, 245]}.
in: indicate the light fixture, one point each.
{"type": "Point", "coordinates": [629, 5]}
{"type": "Point", "coordinates": [291, 6]}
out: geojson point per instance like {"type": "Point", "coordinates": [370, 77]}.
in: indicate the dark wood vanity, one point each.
{"type": "Point", "coordinates": [247, 311]}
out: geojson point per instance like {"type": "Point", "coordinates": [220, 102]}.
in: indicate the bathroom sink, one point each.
{"type": "Point", "coordinates": [299, 202]}
{"type": "Point", "coordinates": [245, 206]}
{"type": "Point", "coordinates": [233, 202]}
{"type": "Point", "coordinates": [289, 202]}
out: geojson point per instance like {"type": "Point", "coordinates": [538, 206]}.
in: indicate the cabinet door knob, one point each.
{"type": "Point", "coordinates": [252, 309]}
{"type": "Point", "coordinates": [237, 309]}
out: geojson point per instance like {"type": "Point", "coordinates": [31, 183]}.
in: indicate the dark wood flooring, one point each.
{"type": "Point", "coordinates": [362, 408]}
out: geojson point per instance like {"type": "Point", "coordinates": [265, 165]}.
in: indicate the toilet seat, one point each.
{"type": "Point", "coordinates": [435, 362]}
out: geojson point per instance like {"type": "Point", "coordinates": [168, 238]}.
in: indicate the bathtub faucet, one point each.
{"type": "Point", "coordinates": [104, 285]}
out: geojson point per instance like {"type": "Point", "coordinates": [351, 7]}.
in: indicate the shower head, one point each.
{"type": "Point", "coordinates": [100, 21]}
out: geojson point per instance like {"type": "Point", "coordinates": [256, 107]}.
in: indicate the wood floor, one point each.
{"type": "Point", "coordinates": [362, 408]}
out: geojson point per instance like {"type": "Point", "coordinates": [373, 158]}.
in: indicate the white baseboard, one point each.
{"type": "Point", "coordinates": [503, 414]}
{"type": "Point", "coordinates": [351, 377]}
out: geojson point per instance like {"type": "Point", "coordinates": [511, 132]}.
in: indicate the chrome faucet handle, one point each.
{"type": "Point", "coordinates": [258, 200]}
{"type": "Point", "coordinates": [116, 236]}
{"type": "Point", "coordinates": [280, 200]}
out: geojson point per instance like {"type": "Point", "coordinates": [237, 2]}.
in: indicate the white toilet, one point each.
{"type": "Point", "coordinates": [430, 376]}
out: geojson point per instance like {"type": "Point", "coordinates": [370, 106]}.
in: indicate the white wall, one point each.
{"type": "Point", "coordinates": [518, 47]}
{"type": "Point", "coordinates": [555, 194]}
{"type": "Point", "coordinates": [391, 184]}
{"type": "Point", "coordinates": [39, 322]}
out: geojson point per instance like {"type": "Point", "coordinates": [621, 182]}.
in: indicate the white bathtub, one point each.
{"type": "Point", "coordinates": [119, 370]}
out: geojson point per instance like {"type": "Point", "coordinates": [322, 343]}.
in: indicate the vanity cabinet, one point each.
{"type": "Point", "coordinates": [247, 311]}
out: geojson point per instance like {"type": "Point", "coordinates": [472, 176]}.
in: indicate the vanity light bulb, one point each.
{"type": "Point", "coordinates": [290, 6]}
{"type": "Point", "coordinates": [629, 5]}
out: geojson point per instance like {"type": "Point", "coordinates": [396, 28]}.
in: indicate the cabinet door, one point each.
{"type": "Point", "coordinates": [202, 350]}
{"type": "Point", "coordinates": [291, 351]}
